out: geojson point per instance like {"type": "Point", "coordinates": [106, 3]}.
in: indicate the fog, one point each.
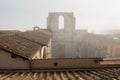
{"type": "Point", "coordinates": [97, 16]}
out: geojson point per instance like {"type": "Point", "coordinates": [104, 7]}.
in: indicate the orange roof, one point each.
{"type": "Point", "coordinates": [93, 74]}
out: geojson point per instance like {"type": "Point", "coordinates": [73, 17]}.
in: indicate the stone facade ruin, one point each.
{"type": "Point", "coordinates": [69, 42]}
{"type": "Point", "coordinates": [65, 40]}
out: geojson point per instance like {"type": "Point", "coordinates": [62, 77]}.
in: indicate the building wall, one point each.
{"type": "Point", "coordinates": [70, 42]}
{"type": "Point", "coordinates": [113, 51]}
{"type": "Point", "coordinates": [61, 38]}
{"type": "Point", "coordinates": [64, 41]}
{"type": "Point", "coordinates": [7, 62]}
{"type": "Point", "coordinates": [65, 63]}
{"type": "Point", "coordinates": [42, 53]}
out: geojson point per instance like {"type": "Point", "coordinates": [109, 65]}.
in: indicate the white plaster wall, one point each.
{"type": "Point", "coordinates": [37, 55]}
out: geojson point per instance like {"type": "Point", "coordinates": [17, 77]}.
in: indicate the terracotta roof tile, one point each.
{"type": "Point", "coordinates": [94, 74]}
{"type": "Point", "coordinates": [18, 45]}
{"type": "Point", "coordinates": [38, 36]}
{"type": "Point", "coordinates": [9, 31]}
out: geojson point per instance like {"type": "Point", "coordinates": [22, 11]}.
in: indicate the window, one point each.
{"type": "Point", "coordinates": [61, 22]}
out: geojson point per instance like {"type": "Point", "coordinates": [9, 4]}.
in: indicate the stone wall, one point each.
{"type": "Point", "coordinates": [64, 41]}
{"type": "Point", "coordinates": [70, 42]}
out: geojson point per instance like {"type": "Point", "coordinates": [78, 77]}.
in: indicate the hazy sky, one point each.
{"type": "Point", "coordinates": [95, 15]}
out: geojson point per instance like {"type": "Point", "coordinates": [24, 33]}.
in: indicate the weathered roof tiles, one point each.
{"type": "Point", "coordinates": [24, 44]}
{"type": "Point", "coordinates": [39, 36]}
{"type": "Point", "coordinates": [18, 45]}
{"type": "Point", "coordinates": [96, 74]}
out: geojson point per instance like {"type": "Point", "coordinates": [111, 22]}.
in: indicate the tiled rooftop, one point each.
{"type": "Point", "coordinates": [96, 74]}
{"type": "Point", "coordinates": [39, 36]}
{"type": "Point", "coordinates": [18, 45]}
{"type": "Point", "coordinates": [24, 44]}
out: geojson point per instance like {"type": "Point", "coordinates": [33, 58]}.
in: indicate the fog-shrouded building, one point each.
{"type": "Point", "coordinates": [64, 38]}
{"type": "Point", "coordinates": [69, 42]}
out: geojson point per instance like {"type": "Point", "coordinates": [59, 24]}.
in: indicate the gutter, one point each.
{"type": "Point", "coordinates": [30, 65]}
